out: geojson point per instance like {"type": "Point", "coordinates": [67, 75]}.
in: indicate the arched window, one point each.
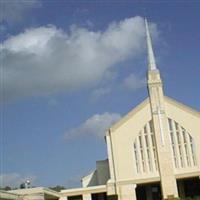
{"type": "Point", "coordinates": [145, 150]}
{"type": "Point", "coordinates": [182, 145]}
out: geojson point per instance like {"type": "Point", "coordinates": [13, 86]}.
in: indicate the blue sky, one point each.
{"type": "Point", "coordinates": [69, 69]}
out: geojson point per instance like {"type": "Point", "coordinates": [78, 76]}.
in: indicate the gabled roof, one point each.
{"type": "Point", "coordinates": [125, 118]}
{"type": "Point", "coordinates": [182, 106]}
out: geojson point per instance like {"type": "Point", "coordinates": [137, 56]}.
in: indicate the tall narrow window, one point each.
{"type": "Point", "coordinates": [145, 150]}
{"type": "Point", "coordinates": [182, 144]}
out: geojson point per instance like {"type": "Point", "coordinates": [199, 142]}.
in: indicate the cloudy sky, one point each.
{"type": "Point", "coordinates": [70, 69]}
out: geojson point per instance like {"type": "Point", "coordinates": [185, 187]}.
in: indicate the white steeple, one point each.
{"type": "Point", "coordinates": [160, 123]}
{"type": "Point", "coordinates": [151, 57]}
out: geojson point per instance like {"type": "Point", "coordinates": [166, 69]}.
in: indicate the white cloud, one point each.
{"type": "Point", "coordinates": [95, 125]}
{"type": "Point", "coordinates": [15, 179]}
{"type": "Point", "coordinates": [44, 60]}
{"type": "Point", "coordinates": [99, 92]}
{"type": "Point", "coordinates": [14, 10]}
{"type": "Point", "coordinates": [134, 82]}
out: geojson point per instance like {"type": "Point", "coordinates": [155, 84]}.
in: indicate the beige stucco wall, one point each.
{"type": "Point", "coordinates": [120, 139]}
{"type": "Point", "coordinates": [126, 130]}
{"type": "Point", "coordinates": [123, 135]}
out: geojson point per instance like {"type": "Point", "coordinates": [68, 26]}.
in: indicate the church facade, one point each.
{"type": "Point", "coordinates": [153, 151]}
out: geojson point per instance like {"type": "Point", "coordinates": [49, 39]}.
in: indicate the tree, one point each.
{"type": "Point", "coordinates": [57, 188]}
{"type": "Point", "coordinates": [6, 188]}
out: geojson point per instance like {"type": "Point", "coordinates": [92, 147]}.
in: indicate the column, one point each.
{"type": "Point", "coordinates": [63, 198]}
{"type": "Point", "coordinates": [87, 196]}
{"type": "Point", "coordinates": [127, 192]}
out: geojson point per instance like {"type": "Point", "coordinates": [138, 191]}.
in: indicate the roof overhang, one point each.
{"type": "Point", "coordinates": [47, 193]}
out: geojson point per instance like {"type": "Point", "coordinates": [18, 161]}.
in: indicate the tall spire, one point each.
{"type": "Point", "coordinates": [151, 57]}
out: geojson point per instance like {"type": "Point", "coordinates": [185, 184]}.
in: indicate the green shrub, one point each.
{"type": "Point", "coordinates": [112, 197]}
{"type": "Point", "coordinates": [197, 198]}
{"type": "Point", "coordinates": [186, 198]}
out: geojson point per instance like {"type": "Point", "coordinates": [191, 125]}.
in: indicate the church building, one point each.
{"type": "Point", "coordinates": [153, 151]}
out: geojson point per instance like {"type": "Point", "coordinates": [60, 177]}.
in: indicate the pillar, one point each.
{"type": "Point", "coordinates": [87, 196]}
{"type": "Point", "coordinates": [162, 137]}
{"type": "Point", "coordinates": [63, 198]}
{"type": "Point", "coordinates": [127, 192]}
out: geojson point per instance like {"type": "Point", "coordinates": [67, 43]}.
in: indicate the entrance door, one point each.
{"type": "Point", "coordinates": [189, 187]}
{"type": "Point", "coordinates": [156, 192]}
{"type": "Point", "coordinates": [149, 192]}
{"type": "Point", "coordinates": [141, 192]}
{"type": "Point", "coordinates": [99, 196]}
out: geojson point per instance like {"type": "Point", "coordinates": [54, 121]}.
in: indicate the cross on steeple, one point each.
{"type": "Point", "coordinates": [160, 122]}
{"type": "Point", "coordinates": [155, 85]}
{"type": "Point", "coordinates": [159, 112]}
